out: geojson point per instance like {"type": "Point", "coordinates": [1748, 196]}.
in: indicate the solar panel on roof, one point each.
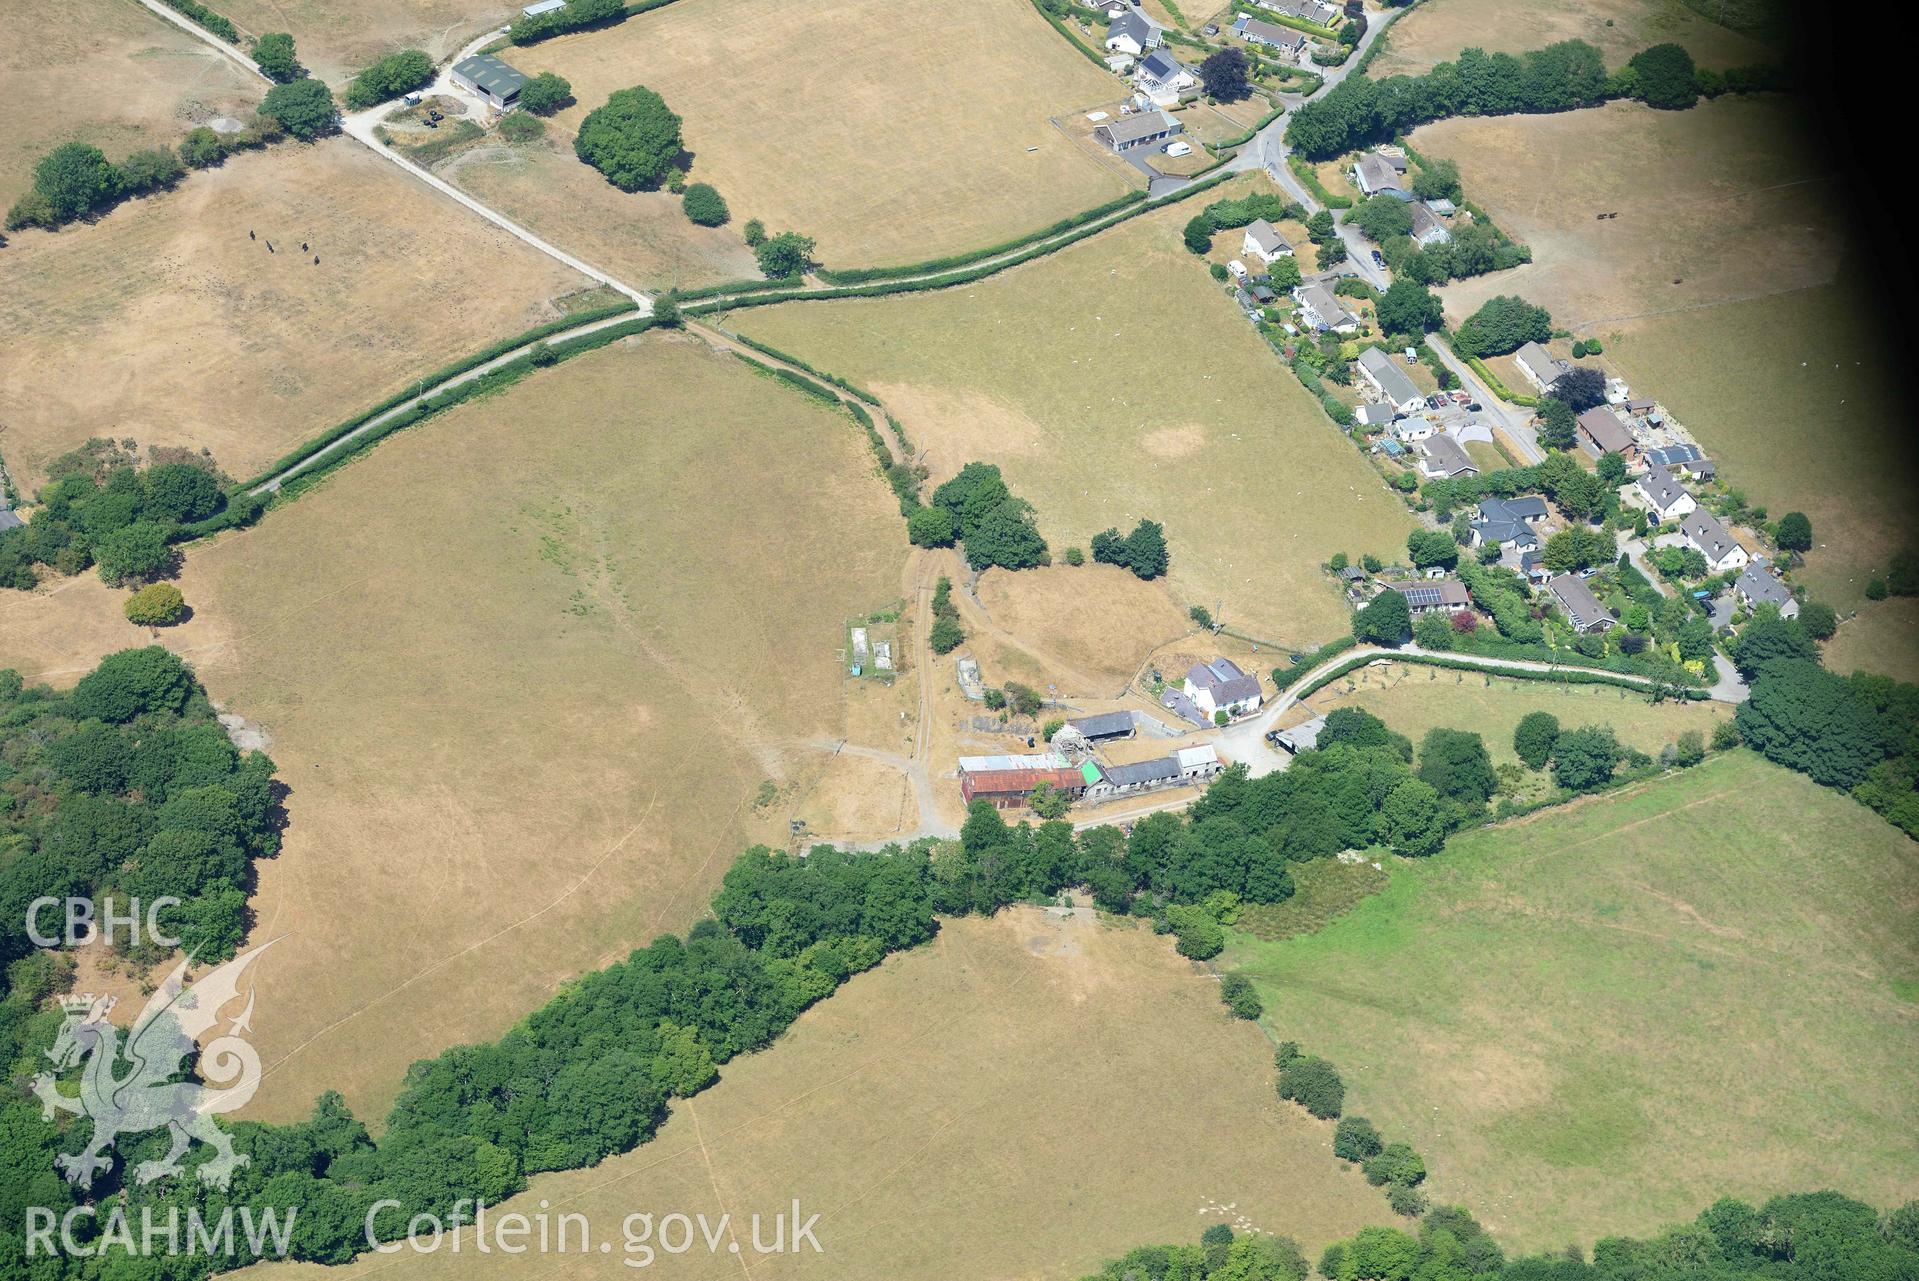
{"type": "Point", "coordinates": [1423, 596]}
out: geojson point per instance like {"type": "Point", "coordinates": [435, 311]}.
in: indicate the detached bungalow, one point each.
{"type": "Point", "coordinates": [1663, 495]}
{"type": "Point", "coordinates": [1162, 78]}
{"type": "Point", "coordinates": [1758, 585]}
{"type": "Point", "coordinates": [1508, 522]}
{"type": "Point", "coordinates": [1377, 175]}
{"type": "Point", "coordinates": [1219, 686]}
{"type": "Point", "coordinates": [1310, 10]}
{"type": "Point", "coordinates": [1390, 381]}
{"type": "Point", "coordinates": [1144, 129]}
{"type": "Point", "coordinates": [1287, 43]}
{"type": "Point", "coordinates": [1445, 594]}
{"type": "Point", "coordinates": [1581, 607]}
{"type": "Point", "coordinates": [1601, 431]}
{"type": "Point", "coordinates": [1427, 228]}
{"type": "Point", "coordinates": [1322, 310]}
{"type": "Point", "coordinates": [1263, 241]}
{"type": "Point", "coordinates": [1441, 456]}
{"type": "Point", "coordinates": [1540, 366]}
{"type": "Point", "coordinates": [1721, 550]}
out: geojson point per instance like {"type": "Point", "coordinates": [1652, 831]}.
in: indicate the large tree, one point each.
{"type": "Point", "coordinates": [303, 107]}
{"type": "Point", "coordinates": [75, 179]}
{"type": "Point", "coordinates": [1584, 758]}
{"type": "Point", "coordinates": [1454, 762]}
{"type": "Point", "coordinates": [1557, 424]}
{"type": "Point", "coordinates": [634, 139]}
{"type": "Point", "coordinates": [1385, 620]}
{"type": "Point", "coordinates": [1802, 716]}
{"type": "Point", "coordinates": [1408, 307]}
{"type": "Point", "coordinates": [1224, 74]}
{"type": "Point", "coordinates": [1534, 736]}
{"type": "Point", "coordinates": [1665, 77]}
{"type": "Point", "coordinates": [273, 54]}
{"type": "Point", "coordinates": [1502, 324]}
{"type": "Point", "coordinates": [1581, 387]}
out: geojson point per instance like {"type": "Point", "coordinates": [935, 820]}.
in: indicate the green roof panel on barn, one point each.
{"type": "Point", "coordinates": [493, 77]}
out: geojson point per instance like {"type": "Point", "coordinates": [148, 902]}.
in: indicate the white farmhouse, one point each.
{"type": "Point", "coordinates": [1263, 241]}
{"type": "Point", "coordinates": [1219, 686]}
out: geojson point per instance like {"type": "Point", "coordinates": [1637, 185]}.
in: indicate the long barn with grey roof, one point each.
{"type": "Point", "coordinates": [492, 79]}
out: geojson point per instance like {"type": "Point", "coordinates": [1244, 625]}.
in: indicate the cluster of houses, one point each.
{"type": "Point", "coordinates": [1382, 172]}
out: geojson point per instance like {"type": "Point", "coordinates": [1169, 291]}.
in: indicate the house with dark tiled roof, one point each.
{"type": "Point", "coordinates": [1713, 541]}
{"type": "Point", "coordinates": [1220, 686]}
{"type": "Point", "coordinates": [1758, 585]}
{"type": "Point", "coordinates": [1601, 431]}
{"type": "Point", "coordinates": [1660, 492]}
{"type": "Point", "coordinates": [1576, 600]}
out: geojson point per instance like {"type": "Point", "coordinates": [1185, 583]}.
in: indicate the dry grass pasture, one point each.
{"type": "Point", "coordinates": [1797, 396]}
{"type": "Point", "coordinates": [1883, 638]}
{"type": "Point", "coordinates": [1437, 31]}
{"type": "Point", "coordinates": [1601, 1019]}
{"type": "Point", "coordinates": [1098, 620]}
{"type": "Point", "coordinates": [524, 700]}
{"type": "Point", "coordinates": [338, 37]}
{"type": "Point", "coordinates": [1729, 198]}
{"type": "Point", "coordinates": [1413, 699]}
{"type": "Point", "coordinates": [1111, 381]}
{"type": "Point", "coordinates": [1022, 1097]}
{"type": "Point", "coordinates": [109, 73]}
{"type": "Point", "coordinates": [163, 322]}
{"type": "Point", "coordinates": [643, 237]}
{"type": "Point", "coordinates": [915, 147]}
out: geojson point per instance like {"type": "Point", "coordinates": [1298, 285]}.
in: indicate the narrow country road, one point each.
{"type": "Point", "coordinates": [1516, 424]}
{"type": "Point", "coordinates": [192, 28]}
{"type": "Point", "coordinates": [359, 126]}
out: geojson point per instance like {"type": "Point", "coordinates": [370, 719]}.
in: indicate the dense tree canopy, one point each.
{"type": "Point", "coordinates": [1408, 307]}
{"type": "Point", "coordinates": [633, 139]}
{"type": "Point", "coordinates": [401, 71]}
{"type": "Point", "coordinates": [273, 54]}
{"type": "Point", "coordinates": [996, 527]}
{"type": "Point", "coordinates": [1224, 74]}
{"type": "Point", "coordinates": [1665, 77]}
{"type": "Point", "coordinates": [546, 93]}
{"type": "Point", "coordinates": [303, 107]}
{"type": "Point", "coordinates": [1503, 323]}
{"type": "Point", "coordinates": [1143, 551]}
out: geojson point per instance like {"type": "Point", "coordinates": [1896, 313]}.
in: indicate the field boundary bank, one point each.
{"type": "Point", "coordinates": [1519, 669]}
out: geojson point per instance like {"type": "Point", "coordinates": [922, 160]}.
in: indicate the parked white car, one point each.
{"type": "Point", "coordinates": [1179, 148]}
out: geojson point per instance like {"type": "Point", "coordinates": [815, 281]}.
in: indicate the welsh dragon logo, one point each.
{"type": "Point", "coordinates": [130, 1089]}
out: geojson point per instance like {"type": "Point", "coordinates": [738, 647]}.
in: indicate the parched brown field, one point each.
{"type": "Point", "coordinates": [1729, 198]}
{"type": "Point", "coordinates": [1438, 30]}
{"type": "Point", "coordinates": [338, 37]}
{"type": "Point", "coordinates": [163, 322]}
{"type": "Point", "coordinates": [1798, 397]}
{"type": "Point", "coordinates": [525, 695]}
{"type": "Point", "coordinates": [1414, 699]}
{"type": "Point", "coordinates": [642, 238]}
{"type": "Point", "coordinates": [1882, 639]}
{"type": "Point", "coordinates": [889, 133]}
{"type": "Point", "coordinates": [1023, 1097]}
{"type": "Point", "coordinates": [109, 73]}
{"type": "Point", "coordinates": [1097, 619]}
{"type": "Point", "coordinates": [1111, 381]}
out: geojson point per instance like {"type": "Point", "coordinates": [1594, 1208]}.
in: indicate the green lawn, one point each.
{"type": "Point", "coordinates": [1606, 1017]}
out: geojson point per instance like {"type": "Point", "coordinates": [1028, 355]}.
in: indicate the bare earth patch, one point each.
{"type": "Point", "coordinates": [953, 1114]}
{"type": "Point", "coordinates": [166, 323]}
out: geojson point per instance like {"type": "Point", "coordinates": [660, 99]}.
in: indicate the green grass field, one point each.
{"type": "Point", "coordinates": [1883, 638]}
{"type": "Point", "coordinates": [1114, 380]}
{"type": "Point", "coordinates": [1797, 397]}
{"type": "Point", "coordinates": [1605, 1017]}
{"type": "Point", "coordinates": [1413, 699]}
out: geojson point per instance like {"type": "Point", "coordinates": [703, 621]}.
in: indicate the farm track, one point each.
{"type": "Point", "coordinates": [1265, 148]}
